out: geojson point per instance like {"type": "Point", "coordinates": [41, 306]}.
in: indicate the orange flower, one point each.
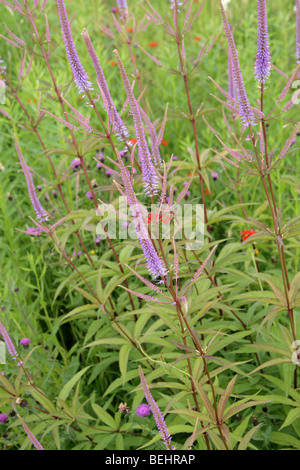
{"type": "Point", "coordinates": [164, 142]}
{"type": "Point", "coordinates": [207, 191]}
{"type": "Point", "coordinates": [247, 233]}
{"type": "Point", "coordinates": [113, 63]}
{"type": "Point", "coordinates": [197, 38]}
{"type": "Point", "coordinates": [153, 44]}
{"type": "Point", "coordinates": [29, 100]}
{"type": "Point", "coordinates": [189, 174]}
{"type": "Point", "coordinates": [133, 141]}
{"type": "Point", "coordinates": [130, 30]}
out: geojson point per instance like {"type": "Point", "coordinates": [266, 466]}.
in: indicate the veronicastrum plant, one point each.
{"type": "Point", "coordinates": [151, 341]}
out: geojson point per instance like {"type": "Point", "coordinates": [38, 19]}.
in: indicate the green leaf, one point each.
{"type": "Point", "coordinates": [291, 417]}
{"type": "Point", "coordinates": [104, 416]}
{"type": "Point", "coordinates": [65, 391]}
{"type": "Point", "coordinates": [123, 360]}
{"type": "Point", "coordinates": [247, 438]}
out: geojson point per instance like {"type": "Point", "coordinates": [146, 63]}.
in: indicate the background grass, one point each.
{"type": "Point", "coordinates": [31, 270]}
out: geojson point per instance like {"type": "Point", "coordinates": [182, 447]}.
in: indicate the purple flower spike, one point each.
{"type": "Point", "coordinates": [40, 212]}
{"type": "Point", "coordinates": [79, 74]}
{"type": "Point", "coordinates": [150, 178]}
{"type": "Point", "coordinates": [159, 419]}
{"type": "Point", "coordinates": [231, 90]}
{"type": "Point", "coordinates": [155, 265]}
{"type": "Point", "coordinates": [247, 115]}
{"type": "Point", "coordinates": [298, 30]}
{"type": "Point", "coordinates": [121, 131]}
{"type": "Point", "coordinates": [143, 410]}
{"type": "Point", "coordinates": [31, 436]}
{"type": "Point", "coordinates": [263, 57]}
{"type": "Point", "coordinates": [3, 418]}
{"type": "Point", "coordinates": [9, 344]}
{"type": "Point", "coordinates": [25, 341]}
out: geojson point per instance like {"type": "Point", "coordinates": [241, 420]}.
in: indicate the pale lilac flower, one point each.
{"type": "Point", "coordinates": [109, 173]}
{"type": "Point", "coordinates": [89, 195]}
{"type": "Point", "coordinates": [123, 8]}
{"type": "Point", "coordinates": [79, 74]}
{"type": "Point", "coordinates": [39, 188]}
{"type": "Point", "coordinates": [97, 240]}
{"type": "Point", "coordinates": [298, 30]}
{"type": "Point", "coordinates": [214, 175]}
{"type": "Point", "coordinates": [40, 212]}
{"type": "Point", "coordinates": [159, 419]}
{"type": "Point", "coordinates": [263, 57]}
{"type": "Point", "coordinates": [179, 3]}
{"type": "Point", "coordinates": [143, 410]}
{"type": "Point", "coordinates": [3, 418]}
{"type": "Point", "coordinates": [120, 128]}
{"type": "Point", "coordinates": [246, 113]}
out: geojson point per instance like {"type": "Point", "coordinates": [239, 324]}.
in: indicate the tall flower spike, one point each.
{"type": "Point", "coordinates": [31, 436]}
{"type": "Point", "coordinates": [263, 57]}
{"type": "Point", "coordinates": [9, 344]}
{"type": "Point", "coordinates": [247, 115]}
{"type": "Point", "coordinates": [153, 137]}
{"type": "Point", "coordinates": [149, 174]}
{"type": "Point", "coordinates": [179, 3]}
{"type": "Point", "coordinates": [155, 265]}
{"type": "Point", "coordinates": [159, 419]}
{"type": "Point", "coordinates": [79, 74]}
{"type": "Point", "coordinates": [231, 90]}
{"type": "Point", "coordinates": [123, 8]}
{"type": "Point", "coordinates": [298, 31]}
{"type": "Point", "coordinates": [41, 214]}
{"type": "Point", "coordinates": [109, 105]}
